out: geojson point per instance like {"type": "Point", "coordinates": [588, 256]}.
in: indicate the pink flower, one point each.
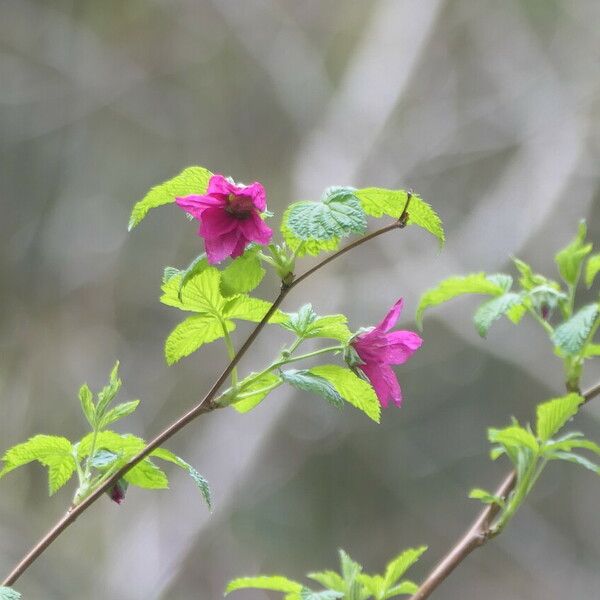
{"type": "Point", "coordinates": [379, 349]}
{"type": "Point", "coordinates": [229, 217]}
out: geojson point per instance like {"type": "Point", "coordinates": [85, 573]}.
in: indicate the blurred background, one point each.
{"type": "Point", "coordinates": [490, 110]}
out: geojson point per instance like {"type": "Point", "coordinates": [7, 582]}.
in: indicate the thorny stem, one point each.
{"type": "Point", "coordinates": [479, 532]}
{"type": "Point", "coordinates": [205, 405]}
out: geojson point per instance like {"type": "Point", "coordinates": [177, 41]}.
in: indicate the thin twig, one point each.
{"type": "Point", "coordinates": [479, 532]}
{"type": "Point", "coordinates": [204, 406]}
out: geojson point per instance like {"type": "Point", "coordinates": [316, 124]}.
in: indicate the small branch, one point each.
{"type": "Point", "coordinates": [479, 532]}
{"type": "Point", "coordinates": [204, 406]}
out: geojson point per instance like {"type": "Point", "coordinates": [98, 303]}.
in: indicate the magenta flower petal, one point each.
{"type": "Point", "coordinates": [216, 222]}
{"type": "Point", "coordinates": [219, 185]}
{"type": "Point", "coordinates": [256, 230]}
{"type": "Point", "coordinates": [375, 375]}
{"type": "Point", "coordinates": [256, 191]}
{"type": "Point", "coordinates": [402, 345]}
{"type": "Point", "coordinates": [221, 247]}
{"type": "Point", "coordinates": [239, 247]}
{"type": "Point", "coordinates": [392, 317]}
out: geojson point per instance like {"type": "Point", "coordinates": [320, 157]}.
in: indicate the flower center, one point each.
{"type": "Point", "coordinates": [239, 207]}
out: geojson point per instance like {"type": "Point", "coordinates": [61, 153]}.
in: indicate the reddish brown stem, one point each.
{"type": "Point", "coordinates": [478, 534]}
{"type": "Point", "coordinates": [204, 406]}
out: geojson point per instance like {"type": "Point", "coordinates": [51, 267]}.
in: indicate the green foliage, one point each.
{"type": "Point", "coordinates": [351, 388]}
{"type": "Point", "coordinates": [194, 268]}
{"type": "Point", "coordinates": [314, 227]}
{"type": "Point", "coordinates": [476, 283]}
{"type": "Point", "coordinates": [378, 202]}
{"type": "Point", "coordinates": [7, 593]}
{"type": "Point", "coordinates": [193, 180]}
{"type": "Point", "coordinates": [243, 274]}
{"type": "Point", "coordinates": [351, 583]}
{"type": "Point", "coordinates": [306, 381]}
{"type": "Point", "coordinates": [492, 310]}
{"type": "Point", "coordinates": [571, 337]}
{"type": "Point", "coordinates": [306, 324]}
{"type": "Point", "coordinates": [554, 414]}
{"type": "Point", "coordinates": [254, 390]}
{"type": "Point", "coordinates": [570, 259]}
{"type": "Point", "coordinates": [486, 497]}
{"type": "Point", "coordinates": [592, 269]}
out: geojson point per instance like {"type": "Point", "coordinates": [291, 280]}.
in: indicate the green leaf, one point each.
{"type": "Point", "coordinates": [200, 294]}
{"type": "Point", "coordinates": [404, 588]}
{"type": "Point", "coordinates": [192, 333]}
{"type": "Point", "coordinates": [306, 324]}
{"type": "Point", "coordinates": [53, 452]}
{"type": "Point", "coordinates": [198, 479]}
{"type": "Point", "coordinates": [277, 583]}
{"type": "Point", "coordinates": [108, 392]}
{"type": "Point", "coordinates": [492, 310]}
{"type": "Point", "coordinates": [570, 258]}
{"type": "Point", "coordinates": [328, 579]}
{"type": "Point", "coordinates": [567, 445]}
{"type": "Point", "coordinates": [300, 321]}
{"type": "Point", "coordinates": [251, 309]}
{"type": "Point", "coordinates": [193, 180]}
{"type": "Point", "coordinates": [372, 585]}
{"type": "Point", "coordinates": [351, 388]}
{"type": "Point", "coordinates": [577, 459]}
{"type": "Point", "coordinates": [529, 279]}
{"type": "Point", "coordinates": [124, 445]}
{"type": "Point", "coordinates": [243, 274]}
{"type": "Point", "coordinates": [350, 569]}
{"type": "Point", "coordinates": [399, 565]}
{"type": "Point", "coordinates": [199, 264]}
{"type": "Point", "coordinates": [147, 475]}
{"type": "Point", "coordinates": [307, 594]}
{"type": "Point", "coordinates": [306, 381]}
{"type": "Point", "coordinates": [314, 227]}
{"type": "Point", "coordinates": [552, 415]}
{"type": "Point", "coordinates": [591, 350]}
{"type": "Point", "coordinates": [476, 283]}
{"type": "Point", "coordinates": [259, 385]}
{"type": "Point", "coordinates": [378, 202]}
{"type": "Point", "coordinates": [513, 436]}
{"type": "Point", "coordinates": [571, 336]}
{"type": "Point", "coordinates": [7, 593]}
{"type": "Point", "coordinates": [592, 269]}
{"type": "Point", "coordinates": [86, 398]}
{"type": "Point", "coordinates": [118, 412]}
{"type": "Point", "coordinates": [486, 497]}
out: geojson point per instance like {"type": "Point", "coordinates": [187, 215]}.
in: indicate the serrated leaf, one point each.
{"type": "Point", "coordinates": [378, 202]}
{"type": "Point", "coordinates": [243, 274]}
{"type": "Point", "coordinates": [8, 593]}
{"type": "Point", "coordinates": [567, 445]}
{"type": "Point", "coordinates": [528, 279]}
{"type": "Point", "coordinates": [103, 459]}
{"type": "Point", "coordinates": [403, 588]}
{"type": "Point", "coordinates": [86, 399]}
{"type": "Point", "coordinates": [277, 583]}
{"type": "Point", "coordinates": [328, 579]}
{"type": "Point", "coordinates": [330, 326]}
{"type": "Point", "coordinates": [313, 227]}
{"type": "Point", "coordinates": [300, 321]}
{"type": "Point", "coordinates": [513, 436]}
{"type": "Point", "coordinates": [108, 393]}
{"type": "Point", "coordinates": [577, 459]}
{"type": "Point", "coordinates": [492, 310]}
{"type": "Point", "coordinates": [553, 414]}
{"type": "Point", "coordinates": [502, 280]}
{"type": "Point", "coordinates": [197, 266]}
{"type": "Point", "coordinates": [399, 565]}
{"type": "Point", "coordinates": [193, 180]}
{"type": "Point", "coordinates": [570, 259]}
{"type": "Point", "coordinates": [251, 309]}
{"type": "Point", "coordinates": [592, 269]}
{"type": "Point", "coordinates": [571, 336]}
{"type": "Point", "coordinates": [118, 412]}
{"type": "Point", "coordinates": [308, 594]}
{"type": "Point", "coordinates": [193, 333]}
{"type": "Point", "coordinates": [476, 283]}
{"type": "Point", "coordinates": [147, 475]}
{"type": "Point", "coordinates": [248, 385]}
{"type": "Point", "coordinates": [198, 479]}
{"type": "Point", "coordinates": [486, 497]}
{"type": "Point", "coordinates": [200, 294]}
{"type": "Point", "coordinates": [53, 452]}
{"type": "Point", "coordinates": [517, 311]}
{"type": "Point", "coordinates": [372, 585]}
{"type": "Point", "coordinates": [351, 388]}
{"type": "Point", "coordinates": [350, 570]}
{"type": "Point", "coordinates": [124, 445]}
{"type": "Point", "coordinates": [306, 381]}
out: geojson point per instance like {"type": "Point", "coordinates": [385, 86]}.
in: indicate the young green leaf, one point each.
{"type": "Point", "coordinates": [328, 579]}
{"type": "Point", "coordinates": [399, 565]}
{"type": "Point", "coordinates": [404, 588]}
{"type": "Point", "coordinates": [193, 180]}
{"type": "Point", "coordinates": [591, 350]}
{"type": "Point", "coordinates": [351, 388]}
{"type": "Point", "coordinates": [243, 274]}
{"type": "Point", "coordinates": [108, 393]}
{"type": "Point", "coordinates": [575, 458]}
{"type": "Point", "coordinates": [277, 583]}
{"type": "Point", "coordinates": [570, 259]}
{"type": "Point", "coordinates": [7, 593]}
{"type": "Point", "coordinates": [314, 227]}
{"type": "Point", "coordinates": [306, 324]}
{"type": "Point", "coordinates": [307, 594]}
{"type": "Point", "coordinates": [567, 444]}
{"type": "Point", "coordinates": [513, 436]}
{"type": "Point", "coordinates": [571, 336]}
{"type": "Point", "coordinates": [486, 497]}
{"type": "Point", "coordinates": [493, 309]}
{"type": "Point", "coordinates": [476, 283]}
{"type": "Point", "coordinates": [123, 445]}
{"type": "Point", "coordinates": [147, 475]}
{"type": "Point", "coordinates": [86, 398]}
{"type": "Point", "coordinates": [592, 269]}
{"type": "Point", "coordinates": [200, 294]}
{"type": "Point", "coordinates": [529, 279]}
{"type": "Point", "coordinates": [553, 414]}
{"type": "Point", "coordinates": [192, 333]}
{"type": "Point", "coordinates": [251, 309]}
{"type": "Point", "coordinates": [263, 385]}
{"type": "Point", "coordinates": [118, 412]}
{"type": "Point", "coordinates": [53, 452]}
{"type": "Point", "coordinates": [306, 381]}
{"type": "Point", "coordinates": [200, 481]}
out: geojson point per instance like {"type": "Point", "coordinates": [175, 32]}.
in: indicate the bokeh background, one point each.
{"type": "Point", "coordinates": [490, 110]}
